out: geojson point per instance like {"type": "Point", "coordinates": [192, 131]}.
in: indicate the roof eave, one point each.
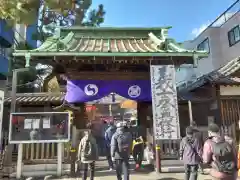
{"type": "Point", "coordinates": [108, 54]}
{"type": "Point", "coordinates": [116, 28]}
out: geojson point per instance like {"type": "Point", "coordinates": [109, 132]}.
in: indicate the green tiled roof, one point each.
{"type": "Point", "coordinates": [83, 41]}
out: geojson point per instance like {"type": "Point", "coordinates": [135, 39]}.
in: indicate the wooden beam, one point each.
{"type": "Point", "coordinates": [109, 75]}
{"type": "Point", "coordinates": [156, 60]}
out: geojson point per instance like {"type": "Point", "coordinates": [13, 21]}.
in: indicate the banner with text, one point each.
{"type": "Point", "coordinates": [164, 102]}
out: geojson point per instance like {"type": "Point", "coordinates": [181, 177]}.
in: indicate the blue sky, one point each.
{"type": "Point", "coordinates": [185, 16]}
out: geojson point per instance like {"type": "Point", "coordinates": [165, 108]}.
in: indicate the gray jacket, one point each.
{"type": "Point", "coordinates": [94, 151]}
{"type": "Point", "coordinates": [115, 146]}
{"type": "Point", "coordinates": [190, 150]}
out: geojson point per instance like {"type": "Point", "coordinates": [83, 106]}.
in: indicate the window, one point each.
{"type": "Point", "coordinates": [204, 46]}
{"type": "Point", "coordinates": [2, 51]}
{"type": "Point", "coordinates": [234, 36]}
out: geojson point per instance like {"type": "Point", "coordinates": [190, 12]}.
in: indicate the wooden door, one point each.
{"type": "Point", "coordinates": [230, 109]}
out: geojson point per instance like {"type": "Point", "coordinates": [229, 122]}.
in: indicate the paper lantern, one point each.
{"type": "Point", "coordinates": [14, 120]}
{"type": "Point", "coordinates": [90, 108]}
{"type": "Point", "coordinates": [129, 104]}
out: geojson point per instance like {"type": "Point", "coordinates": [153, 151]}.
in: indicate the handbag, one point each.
{"type": "Point", "coordinates": [79, 164]}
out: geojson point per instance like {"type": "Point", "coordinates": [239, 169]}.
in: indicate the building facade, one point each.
{"type": "Point", "coordinates": [221, 39]}
{"type": "Point", "coordinates": [6, 41]}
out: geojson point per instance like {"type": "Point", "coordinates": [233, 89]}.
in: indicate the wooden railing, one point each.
{"type": "Point", "coordinates": [44, 152]}
{"type": "Point", "coordinates": [169, 149]}
{"type": "Point", "coordinates": [41, 152]}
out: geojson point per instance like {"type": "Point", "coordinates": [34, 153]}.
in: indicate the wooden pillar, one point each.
{"type": "Point", "coordinates": [79, 118]}
{"type": "Point", "coordinates": [142, 117]}
{"type": "Point", "coordinates": [219, 114]}
{"type": "Point", "coordinates": [190, 111]}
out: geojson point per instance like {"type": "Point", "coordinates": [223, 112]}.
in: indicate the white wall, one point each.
{"type": "Point", "coordinates": [220, 51]}
{"type": "Point", "coordinates": [232, 52]}
{"type": "Point", "coordinates": [186, 73]}
{"type": "Point", "coordinates": [229, 90]}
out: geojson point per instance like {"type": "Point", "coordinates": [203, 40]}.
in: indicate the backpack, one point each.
{"type": "Point", "coordinates": [110, 133]}
{"type": "Point", "coordinates": [88, 149]}
{"type": "Point", "coordinates": [224, 157]}
{"type": "Point", "coordinates": [123, 144]}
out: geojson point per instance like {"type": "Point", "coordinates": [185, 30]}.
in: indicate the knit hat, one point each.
{"type": "Point", "coordinates": [213, 128]}
{"type": "Point", "coordinates": [189, 130]}
{"type": "Point", "coordinates": [193, 123]}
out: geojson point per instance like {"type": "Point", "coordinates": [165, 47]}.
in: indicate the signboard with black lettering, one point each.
{"type": "Point", "coordinates": [164, 102]}
{"type": "Point", "coordinates": [39, 127]}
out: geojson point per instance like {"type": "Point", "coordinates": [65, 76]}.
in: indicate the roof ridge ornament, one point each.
{"type": "Point", "coordinates": [67, 41]}
{"type": "Point", "coordinates": [67, 38]}
{"type": "Point", "coordinates": [177, 47]}
{"type": "Point", "coordinates": [164, 34]}
{"type": "Point", "coordinates": [156, 40]}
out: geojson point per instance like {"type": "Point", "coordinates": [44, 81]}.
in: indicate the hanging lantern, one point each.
{"type": "Point", "coordinates": [14, 120]}
{"type": "Point", "coordinates": [90, 108]}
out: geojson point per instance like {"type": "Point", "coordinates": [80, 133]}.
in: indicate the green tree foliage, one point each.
{"type": "Point", "coordinates": [50, 13]}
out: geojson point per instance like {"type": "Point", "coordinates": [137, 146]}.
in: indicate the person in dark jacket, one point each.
{"type": "Point", "coordinates": [121, 144]}
{"type": "Point", "coordinates": [138, 151]}
{"type": "Point", "coordinates": [108, 137]}
{"type": "Point", "coordinates": [198, 135]}
{"type": "Point", "coordinates": [190, 153]}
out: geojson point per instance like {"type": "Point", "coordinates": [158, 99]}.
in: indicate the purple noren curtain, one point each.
{"type": "Point", "coordinates": [89, 90]}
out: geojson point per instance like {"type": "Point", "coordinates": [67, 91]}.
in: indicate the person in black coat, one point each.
{"type": "Point", "coordinates": [199, 136]}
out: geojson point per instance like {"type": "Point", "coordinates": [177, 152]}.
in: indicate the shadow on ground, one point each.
{"type": "Point", "coordinates": [168, 179]}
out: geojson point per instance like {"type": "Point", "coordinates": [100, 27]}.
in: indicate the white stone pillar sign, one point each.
{"type": "Point", "coordinates": [59, 158]}
{"type": "Point", "coordinates": [164, 102]}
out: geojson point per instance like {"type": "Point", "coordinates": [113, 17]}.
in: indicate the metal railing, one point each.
{"type": "Point", "coordinates": [226, 15]}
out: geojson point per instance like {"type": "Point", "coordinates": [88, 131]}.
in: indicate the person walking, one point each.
{"type": "Point", "coordinates": [88, 153]}
{"type": "Point", "coordinates": [149, 156]}
{"type": "Point", "coordinates": [121, 144]}
{"type": "Point", "coordinates": [199, 135]}
{"type": "Point", "coordinates": [138, 151]}
{"type": "Point", "coordinates": [219, 153]}
{"type": "Point", "coordinates": [190, 153]}
{"type": "Point", "coordinates": [102, 145]}
{"type": "Point", "coordinates": [108, 137]}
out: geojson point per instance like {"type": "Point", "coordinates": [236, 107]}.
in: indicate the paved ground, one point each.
{"type": "Point", "coordinates": [134, 176]}
{"type": "Point", "coordinates": [110, 175]}
{"type": "Point", "coordinates": [103, 174]}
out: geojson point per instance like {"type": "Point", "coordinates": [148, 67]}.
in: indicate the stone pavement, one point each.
{"type": "Point", "coordinates": [102, 173]}
{"type": "Point", "coordinates": [140, 176]}
{"type": "Point", "coordinates": [110, 175]}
